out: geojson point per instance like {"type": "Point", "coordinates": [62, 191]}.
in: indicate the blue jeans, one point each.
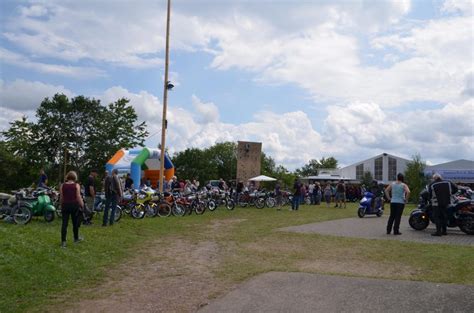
{"type": "Point", "coordinates": [296, 202]}
{"type": "Point", "coordinates": [110, 202]}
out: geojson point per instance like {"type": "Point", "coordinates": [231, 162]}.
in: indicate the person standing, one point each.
{"type": "Point", "coordinates": [317, 193]}
{"type": "Point", "coordinates": [397, 193]}
{"type": "Point", "coordinates": [128, 182]}
{"type": "Point", "coordinates": [71, 203]}
{"type": "Point", "coordinates": [89, 193]}
{"type": "Point", "coordinates": [296, 195]}
{"type": "Point", "coordinates": [113, 193]}
{"type": "Point", "coordinates": [440, 194]}
{"type": "Point", "coordinates": [341, 194]}
{"type": "Point", "coordinates": [310, 193]}
{"type": "Point", "coordinates": [43, 179]}
{"type": "Point", "coordinates": [278, 195]}
{"type": "Point", "coordinates": [327, 194]}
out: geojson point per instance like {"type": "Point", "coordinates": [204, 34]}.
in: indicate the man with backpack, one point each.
{"type": "Point", "coordinates": [113, 193]}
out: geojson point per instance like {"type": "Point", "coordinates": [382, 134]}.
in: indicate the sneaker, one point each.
{"type": "Point", "coordinates": [444, 233]}
{"type": "Point", "coordinates": [436, 234]}
{"type": "Point", "coordinates": [78, 240]}
{"type": "Point", "coordinates": [397, 233]}
{"type": "Point", "coordinates": [63, 244]}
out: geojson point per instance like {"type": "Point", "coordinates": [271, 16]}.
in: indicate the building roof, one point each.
{"type": "Point", "coordinates": [378, 156]}
{"type": "Point", "coordinates": [453, 165]}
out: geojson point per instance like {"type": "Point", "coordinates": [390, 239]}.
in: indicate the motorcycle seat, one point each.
{"type": "Point", "coordinates": [4, 196]}
{"type": "Point", "coordinates": [463, 202]}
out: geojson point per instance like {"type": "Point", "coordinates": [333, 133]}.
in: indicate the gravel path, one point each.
{"type": "Point", "coordinates": [300, 292]}
{"type": "Point", "coordinates": [374, 228]}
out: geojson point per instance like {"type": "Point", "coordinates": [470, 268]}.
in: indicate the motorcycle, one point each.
{"type": "Point", "coordinates": [41, 205]}
{"type": "Point", "coordinates": [218, 198]}
{"type": "Point", "coordinates": [460, 214]}
{"type": "Point", "coordinates": [98, 208]}
{"type": "Point", "coordinates": [365, 205]}
{"type": "Point", "coordinates": [12, 210]}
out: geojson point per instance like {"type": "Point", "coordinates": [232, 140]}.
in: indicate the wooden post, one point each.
{"type": "Point", "coordinates": [165, 99]}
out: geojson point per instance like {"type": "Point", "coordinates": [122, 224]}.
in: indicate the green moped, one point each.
{"type": "Point", "coordinates": [38, 203]}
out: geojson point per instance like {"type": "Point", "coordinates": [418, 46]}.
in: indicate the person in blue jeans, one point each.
{"type": "Point", "coordinates": [295, 204]}
{"type": "Point", "coordinates": [397, 193]}
{"type": "Point", "coordinates": [113, 193]}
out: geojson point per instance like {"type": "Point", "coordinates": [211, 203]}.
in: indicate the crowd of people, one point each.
{"type": "Point", "coordinates": [396, 193]}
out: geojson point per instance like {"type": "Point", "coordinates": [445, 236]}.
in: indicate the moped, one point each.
{"type": "Point", "coordinates": [365, 205]}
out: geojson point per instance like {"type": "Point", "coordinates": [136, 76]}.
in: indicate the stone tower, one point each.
{"type": "Point", "coordinates": [248, 159]}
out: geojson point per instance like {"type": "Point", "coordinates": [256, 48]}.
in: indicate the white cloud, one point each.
{"type": "Point", "coordinates": [464, 6]}
{"type": "Point", "coordinates": [9, 57]}
{"type": "Point", "coordinates": [21, 95]}
{"type": "Point", "coordinates": [207, 112]}
{"type": "Point", "coordinates": [365, 130]}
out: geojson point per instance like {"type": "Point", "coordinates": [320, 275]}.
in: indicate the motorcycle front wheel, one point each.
{"type": "Point", "coordinates": [118, 214]}
{"type": "Point", "coordinates": [230, 204]}
{"type": "Point", "coordinates": [49, 216]}
{"type": "Point", "coordinates": [361, 212]}
{"type": "Point", "coordinates": [260, 203]}
{"type": "Point", "coordinates": [138, 211]}
{"type": "Point", "coordinates": [164, 209]}
{"type": "Point", "coordinates": [200, 208]}
{"type": "Point", "coordinates": [178, 210]}
{"type": "Point", "coordinates": [418, 221]}
{"type": "Point", "coordinates": [22, 215]}
{"type": "Point", "coordinates": [270, 202]}
{"type": "Point", "coordinates": [467, 225]}
{"type": "Point", "coordinates": [151, 210]}
{"type": "Point", "coordinates": [211, 205]}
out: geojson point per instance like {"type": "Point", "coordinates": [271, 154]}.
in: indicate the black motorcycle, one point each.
{"type": "Point", "coordinates": [460, 214]}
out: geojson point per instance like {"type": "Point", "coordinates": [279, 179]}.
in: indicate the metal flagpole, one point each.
{"type": "Point", "coordinates": [165, 99]}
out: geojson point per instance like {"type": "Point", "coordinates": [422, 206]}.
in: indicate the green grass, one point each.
{"type": "Point", "coordinates": [35, 272]}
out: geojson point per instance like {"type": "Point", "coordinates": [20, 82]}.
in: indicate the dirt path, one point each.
{"type": "Point", "coordinates": [168, 275]}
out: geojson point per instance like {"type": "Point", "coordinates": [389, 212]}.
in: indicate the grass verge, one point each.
{"type": "Point", "coordinates": [35, 272]}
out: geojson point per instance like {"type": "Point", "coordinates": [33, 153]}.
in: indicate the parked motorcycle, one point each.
{"type": "Point", "coordinates": [40, 204]}
{"type": "Point", "coordinates": [98, 208]}
{"type": "Point", "coordinates": [365, 205]}
{"type": "Point", "coordinates": [460, 214]}
{"type": "Point", "coordinates": [10, 210]}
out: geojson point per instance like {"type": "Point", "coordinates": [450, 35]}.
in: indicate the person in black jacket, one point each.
{"type": "Point", "coordinates": [440, 194]}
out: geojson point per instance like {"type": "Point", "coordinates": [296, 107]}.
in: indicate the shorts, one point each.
{"type": "Point", "coordinates": [340, 196]}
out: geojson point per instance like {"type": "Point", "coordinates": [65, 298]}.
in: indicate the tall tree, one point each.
{"type": "Point", "coordinates": [193, 163]}
{"type": "Point", "coordinates": [313, 166]}
{"type": "Point", "coordinates": [223, 157]}
{"type": "Point", "coordinates": [15, 172]}
{"type": "Point", "coordinates": [267, 165]}
{"type": "Point", "coordinates": [79, 130]}
{"type": "Point", "coordinates": [367, 179]}
{"type": "Point", "coordinates": [415, 177]}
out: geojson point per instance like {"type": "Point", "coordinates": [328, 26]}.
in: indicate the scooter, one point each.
{"type": "Point", "coordinates": [365, 205]}
{"type": "Point", "coordinates": [40, 204]}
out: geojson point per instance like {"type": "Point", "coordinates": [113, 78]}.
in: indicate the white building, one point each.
{"type": "Point", "coordinates": [383, 167]}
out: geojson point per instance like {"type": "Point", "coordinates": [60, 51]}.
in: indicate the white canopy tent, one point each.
{"type": "Point", "coordinates": [262, 178]}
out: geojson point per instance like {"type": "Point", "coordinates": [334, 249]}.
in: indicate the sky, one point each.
{"type": "Point", "coordinates": [309, 79]}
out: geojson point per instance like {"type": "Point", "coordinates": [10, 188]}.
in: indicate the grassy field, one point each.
{"type": "Point", "coordinates": [35, 272]}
